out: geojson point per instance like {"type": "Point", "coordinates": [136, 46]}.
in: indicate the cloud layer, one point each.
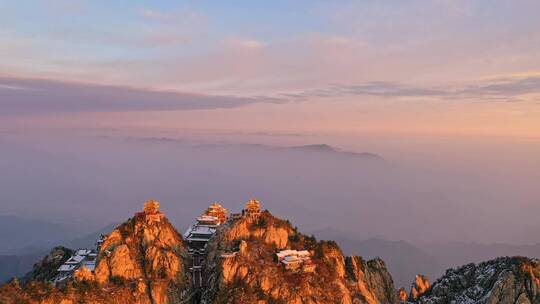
{"type": "Point", "coordinates": [501, 89]}
{"type": "Point", "coordinates": [30, 96]}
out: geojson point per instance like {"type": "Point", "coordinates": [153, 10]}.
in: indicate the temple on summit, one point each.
{"type": "Point", "coordinates": [151, 212]}
{"type": "Point", "coordinates": [217, 211]}
{"type": "Point", "coordinates": [253, 208]}
{"type": "Point", "coordinates": [151, 207]}
{"type": "Point", "coordinates": [200, 233]}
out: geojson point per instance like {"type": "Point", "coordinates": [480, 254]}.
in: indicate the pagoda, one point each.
{"type": "Point", "coordinates": [253, 208]}
{"type": "Point", "coordinates": [217, 211]}
{"type": "Point", "coordinates": [151, 211]}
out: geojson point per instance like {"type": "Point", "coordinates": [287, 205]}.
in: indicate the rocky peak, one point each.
{"type": "Point", "coordinates": [264, 227]}
{"type": "Point", "coordinates": [403, 296]}
{"type": "Point", "coordinates": [144, 260]}
{"type": "Point", "coordinates": [419, 287]}
{"type": "Point", "coordinates": [146, 249]}
{"type": "Point", "coordinates": [255, 257]}
{"type": "Point", "coordinates": [503, 280]}
{"type": "Point", "coordinates": [372, 283]}
{"type": "Point", "coordinates": [244, 267]}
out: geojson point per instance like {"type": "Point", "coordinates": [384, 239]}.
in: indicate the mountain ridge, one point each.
{"type": "Point", "coordinates": [254, 257]}
{"type": "Point", "coordinates": [313, 148]}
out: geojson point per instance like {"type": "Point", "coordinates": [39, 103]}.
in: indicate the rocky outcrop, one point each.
{"type": "Point", "coordinates": [148, 250]}
{"type": "Point", "coordinates": [272, 231]}
{"type": "Point", "coordinates": [83, 274]}
{"type": "Point", "coordinates": [45, 269]}
{"type": "Point", "coordinates": [419, 287]}
{"type": "Point", "coordinates": [403, 296]}
{"type": "Point", "coordinates": [372, 283]}
{"type": "Point", "coordinates": [243, 268]}
{"type": "Point", "coordinates": [144, 260]}
{"type": "Point", "coordinates": [506, 280]}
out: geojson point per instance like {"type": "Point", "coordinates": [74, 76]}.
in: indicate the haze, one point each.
{"type": "Point", "coordinates": [104, 105]}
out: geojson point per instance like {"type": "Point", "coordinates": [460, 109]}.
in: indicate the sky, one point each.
{"type": "Point", "coordinates": [467, 68]}
{"type": "Point", "coordinates": [446, 92]}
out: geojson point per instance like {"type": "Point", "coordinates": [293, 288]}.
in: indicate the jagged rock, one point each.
{"type": "Point", "coordinates": [506, 280]}
{"type": "Point", "coordinates": [373, 281]}
{"type": "Point", "coordinates": [277, 235]}
{"type": "Point", "coordinates": [402, 295]}
{"type": "Point", "coordinates": [255, 276]}
{"type": "Point", "coordinates": [142, 261]}
{"type": "Point", "coordinates": [149, 251]}
{"type": "Point", "coordinates": [243, 247]}
{"type": "Point", "coordinates": [418, 287]}
{"type": "Point", "coordinates": [83, 274]}
{"type": "Point", "coordinates": [122, 265]}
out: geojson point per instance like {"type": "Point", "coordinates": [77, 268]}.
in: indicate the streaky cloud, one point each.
{"type": "Point", "coordinates": [35, 96]}
{"type": "Point", "coordinates": [506, 89]}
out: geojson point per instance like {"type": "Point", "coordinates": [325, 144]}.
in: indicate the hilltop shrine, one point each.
{"type": "Point", "coordinates": [253, 208]}
{"type": "Point", "coordinates": [151, 212]}
{"type": "Point", "coordinates": [217, 211]}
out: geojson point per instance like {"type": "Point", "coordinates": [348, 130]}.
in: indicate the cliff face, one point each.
{"type": "Point", "coordinates": [504, 280]}
{"type": "Point", "coordinates": [371, 280]}
{"type": "Point", "coordinates": [147, 250]}
{"type": "Point", "coordinates": [144, 260]}
{"type": "Point", "coordinates": [243, 268]}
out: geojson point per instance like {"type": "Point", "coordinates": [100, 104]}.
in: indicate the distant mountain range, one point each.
{"type": "Point", "coordinates": [404, 260]}
{"type": "Point", "coordinates": [25, 241]}
{"type": "Point", "coordinates": [89, 240]}
{"type": "Point", "coordinates": [324, 148]}
{"type": "Point", "coordinates": [16, 265]}
{"type": "Point", "coordinates": [317, 148]}
{"type": "Point", "coordinates": [17, 233]}
{"type": "Point", "coordinates": [456, 253]}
